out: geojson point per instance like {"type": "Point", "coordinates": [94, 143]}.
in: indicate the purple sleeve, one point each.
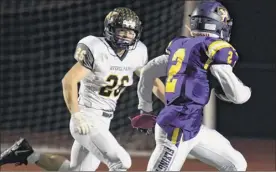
{"type": "Point", "coordinates": [227, 55]}
{"type": "Point", "coordinates": [176, 42]}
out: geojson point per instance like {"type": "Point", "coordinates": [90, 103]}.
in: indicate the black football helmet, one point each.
{"type": "Point", "coordinates": [212, 17]}
{"type": "Point", "coordinates": [122, 18]}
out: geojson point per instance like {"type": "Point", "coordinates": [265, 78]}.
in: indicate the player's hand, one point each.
{"type": "Point", "coordinates": [146, 131]}
{"type": "Point", "coordinates": [81, 126]}
{"type": "Point", "coordinates": [144, 122]}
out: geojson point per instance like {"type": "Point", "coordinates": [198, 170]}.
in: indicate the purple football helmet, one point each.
{"type": "Point", "coordinates": [211, 17]}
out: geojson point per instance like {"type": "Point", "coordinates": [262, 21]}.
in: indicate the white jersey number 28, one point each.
{"type": "Point", "coordinates": [115, 86]}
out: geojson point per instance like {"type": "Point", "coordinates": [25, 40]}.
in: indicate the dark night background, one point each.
{"type": "Point", "coordinates": [38, 39]}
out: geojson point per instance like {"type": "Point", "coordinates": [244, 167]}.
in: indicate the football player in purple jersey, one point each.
{"type": "Point", "coordinates": [187, 63]}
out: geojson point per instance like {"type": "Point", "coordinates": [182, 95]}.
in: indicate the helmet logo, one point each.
{"type": "Point", "coordinates": [129, 23]}
{"type": "Point", "coordinates": [110, 16]}
{"type": "Point", "coordinates": [223, 14]}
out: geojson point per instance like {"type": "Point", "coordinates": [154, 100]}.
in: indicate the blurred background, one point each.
{"type": "Point", "coordinates": [37, 43]}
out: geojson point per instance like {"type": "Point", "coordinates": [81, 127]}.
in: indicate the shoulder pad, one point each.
{"type": "Point", "coordinates": [92, 42]}
{"type": "Point", "coordinates": [221, 52]}
{"type": "Point", "coordinates": [142, 50]}
{"type": "Point", "coordinates": [215, 44]}
{"type": "Point", "coordinates": [174, 41]}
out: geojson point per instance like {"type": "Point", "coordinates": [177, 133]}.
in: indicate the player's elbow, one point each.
{"type": "Point", "coordinates": [67, 82]}
{"type": "Point", "coordinates": [148, 74]}
{"type": "Point", "coordinates": [243, 96]}
{"type": "Point", "coordinates": [144, 71]}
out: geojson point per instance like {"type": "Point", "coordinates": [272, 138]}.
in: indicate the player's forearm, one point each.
{"type": "Point", "coordinates": [159, 90]}
{"type": "Point", "coordinates": [70, 94]}
{"type": "Point", "coordinates": [233, 88]}
{"type": "Point", "coordinates": [144, 92]}
{"type": "Point", "coordinates": [148, 78]}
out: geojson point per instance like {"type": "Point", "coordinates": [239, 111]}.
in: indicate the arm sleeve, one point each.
{"type": "Point", "coordinates": [84, 56]}
{"type": "Point", "coordinates": [221, 52]}
{"type": "Point", "coordinates": [143, 50]}
{"type": "Point", "coordinates": [226, 56]}
{"type": "Point", "coordinates": [235, 91]}
{"type": "Point", "coordinates": [145, 56]}
{"type": "Point", "coordinates": [153, 69]}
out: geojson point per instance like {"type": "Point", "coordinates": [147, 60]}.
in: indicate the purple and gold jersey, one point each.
{"type": "Point", "coordinates": [187, 84]}
{"type": "Point", "coordinates": [188, 64]}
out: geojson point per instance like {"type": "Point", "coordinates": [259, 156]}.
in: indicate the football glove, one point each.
{"type": "Point", "coordinates": [81, 126]}
{"type": "Point", "coordinates": [144, 122]}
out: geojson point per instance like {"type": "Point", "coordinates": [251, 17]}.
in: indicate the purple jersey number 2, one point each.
{"type": "Point", "coordinates": [178, 56]}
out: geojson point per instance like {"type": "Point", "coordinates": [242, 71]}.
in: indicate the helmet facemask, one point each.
{"type": "Point", "coordinates": [122, 29]}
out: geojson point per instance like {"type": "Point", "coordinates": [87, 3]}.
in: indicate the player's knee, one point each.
{"type": "Point", "coordinates": [241, 163]}
{"type": "Point", "coordinates": [124, 158]}
{"type": "Point", "coordinates": [120, 161]}
{"type": "Point", "coordinates": [126, 162]}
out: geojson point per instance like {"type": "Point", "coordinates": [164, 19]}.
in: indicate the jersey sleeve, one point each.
{"type": "Point", "coordinates": [84, 56]}
{"type": "Point", "coordinates": [221, 52]}
{"type": "Point", "coordinates": [174, 44]}
{"type": "Point", "coordinates": [153, 69]}
{"type": "Point", "coordinates": [233, 88]}
{"type": "Point", "coordinates": [143, 53]}
{"type": "Point", "coordinates": [145, 57]}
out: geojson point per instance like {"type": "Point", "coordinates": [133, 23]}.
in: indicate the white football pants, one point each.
{"type": "Point", "coordinates": [208, 146]}
{"type": "Point", "coordinates": [97, 146]}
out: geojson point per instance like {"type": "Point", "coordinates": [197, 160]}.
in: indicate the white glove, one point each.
{"type": "Point", "coordinates": [81, 126]}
